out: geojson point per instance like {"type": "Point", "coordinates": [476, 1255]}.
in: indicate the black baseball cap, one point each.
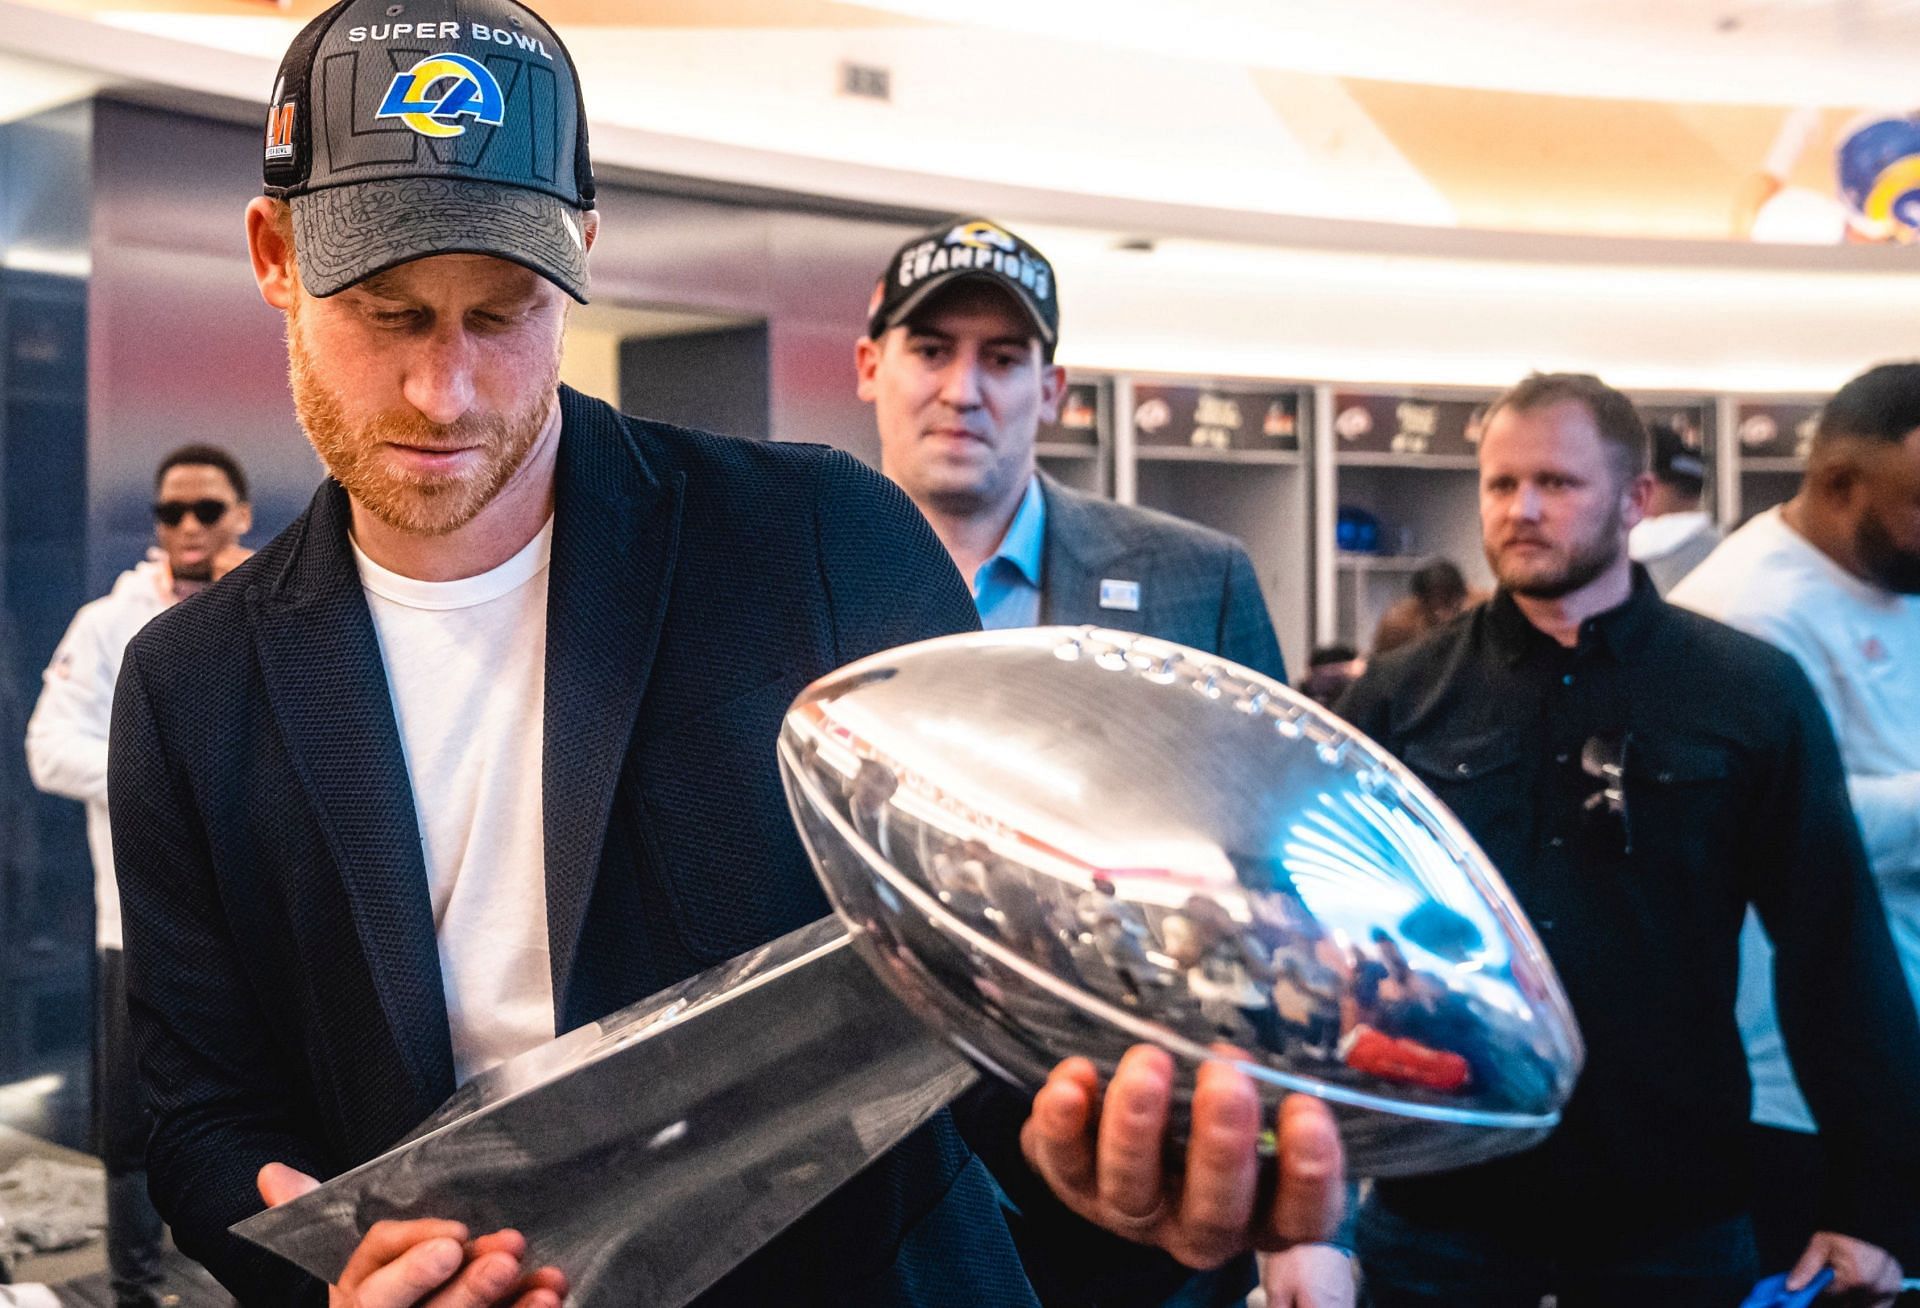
{"type": "Point", "coordinates": [967, 249]}
{"type": "Point", "coordinates": [400, 129]}
{"type": "Point", "coordinates": [1674, 461]}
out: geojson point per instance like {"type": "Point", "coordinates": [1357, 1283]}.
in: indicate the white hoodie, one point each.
{"type": "Point", "coordinates": [67, 734]}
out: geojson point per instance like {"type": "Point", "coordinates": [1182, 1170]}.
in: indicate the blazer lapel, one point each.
{"type": "Point", "coordinates": [615, 533]}
{"type": "Point", "coordinates": [1080, 552]}
{"type": "Point", "coordinates": [328, 688]}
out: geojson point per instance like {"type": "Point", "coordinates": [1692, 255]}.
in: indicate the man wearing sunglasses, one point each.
{"type": "Point", "coordinates": [1640, 774]}
{"type": "Point", "coordinates": [200, 512]}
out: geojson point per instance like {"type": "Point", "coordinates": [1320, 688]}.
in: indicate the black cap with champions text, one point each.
{"type": "Point", "coordinates": [400, 129]}
{"type": "Point", "coordinates": [967, 248]}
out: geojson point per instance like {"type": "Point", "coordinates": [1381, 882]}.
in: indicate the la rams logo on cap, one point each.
{"type": "Point", "coordinates": [982, 236]}
{"type": "Point", "coordinates": [420, 98]}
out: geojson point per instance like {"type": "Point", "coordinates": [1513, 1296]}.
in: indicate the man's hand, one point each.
{"type": "Point", "coordinates": [427, 1262]}
{"type": "Point", "coordinates": [1863, 1274]}
{"type": "Point", "coordinates": [1102, 1155]}
{"type": "Point", "coordinates": [1309, 1276]}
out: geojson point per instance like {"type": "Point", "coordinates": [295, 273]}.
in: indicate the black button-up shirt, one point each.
{"type": "Point", "coordinates": [1637, 792]}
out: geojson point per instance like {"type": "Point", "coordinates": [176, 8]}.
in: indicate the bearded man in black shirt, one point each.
{"type": "Point", "coordinates": [1640, 775]}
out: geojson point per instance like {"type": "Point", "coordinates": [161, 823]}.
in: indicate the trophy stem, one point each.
{"type": "Point", "coordinates": [650, 1153]}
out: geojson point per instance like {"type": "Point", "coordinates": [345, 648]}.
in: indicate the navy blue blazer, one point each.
{"type": "Point", "coordinates": [283, 978]}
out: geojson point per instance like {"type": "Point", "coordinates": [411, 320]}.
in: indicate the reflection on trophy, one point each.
{"type": "Point", "coordinates": [1055, 842]}
{"type": "Point", "coordinates": [1049, 842]}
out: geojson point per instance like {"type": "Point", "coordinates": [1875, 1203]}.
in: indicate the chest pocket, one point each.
{"type": "Point", "coordinates": [1664, 760]}
{"type": "Point", "coordinates": [1474, 775]}
{"type": "Point", "coordinates": [1684, 792]}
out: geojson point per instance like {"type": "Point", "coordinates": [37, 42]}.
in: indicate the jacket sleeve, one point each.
{"type": "Point", "coordinates": [890, 582]}
{"type": "Point", "coordinates": [209, 1062]}
{"type": "Point", "coordinates": [1246, 628]}
{"type": "Point", "coordinates": [1845, 1010]}
{"type": "Point", "coordinates": [67, 734]}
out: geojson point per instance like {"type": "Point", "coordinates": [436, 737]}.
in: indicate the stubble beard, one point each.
{"type": "Point", "coordinates": [411, 503]}
{"type": "Point", "coordinates": [1887, 565]}
{"type": "Point", "coordinates": [1585, 561]}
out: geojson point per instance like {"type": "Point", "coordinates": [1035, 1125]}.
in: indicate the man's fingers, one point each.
{"type": "Point", "coordinates": [1056, 1138]}
{"type": "Point", "coordinates": [509, 1242]}
{"type": "Point", "coordinates": [546, 1278]}
{"type": "Point", "coordinates": [279, 1184]}
{"type": "Point", "coordinates": [386, 1241]}
{"type": "Point", "coordinates": [1216, 1203]}
{"type": "Point", "coordinates": [1133, 1124]}
{"type": "Point", "coordinates": [488, 1280]}
{"type": "Point", "coordinates": [410, 1277]}
{"type": "Point", "coordinates": [1312, 1186]}
{"type": "Point", "coordinates": [1810, 1263]}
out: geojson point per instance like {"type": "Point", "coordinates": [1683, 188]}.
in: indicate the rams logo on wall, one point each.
{"type": "Point", "coordinates": [419, 98]}
{"type": "Point", "coordinates": [1879, 166]}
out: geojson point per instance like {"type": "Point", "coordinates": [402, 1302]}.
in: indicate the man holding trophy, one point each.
{"type": "Point", "coordinates": [481, 748]}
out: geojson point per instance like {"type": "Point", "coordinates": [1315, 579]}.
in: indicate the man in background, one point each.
{"type": "Point", "coordinates": [200, 512]}
{"type": "Point", "coordinates": [1438, 595]}
{"type": "Point", "coordinates": [1677, 533]}
{"type": "Point", "coordinates": [958, 365]}
{"type": "Point", "coordinates": [1833, 578]}
{"type": "Point", "coordinates": [1639, 775]}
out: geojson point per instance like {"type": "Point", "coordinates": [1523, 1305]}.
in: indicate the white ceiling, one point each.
{"type": "Point", "coordinates": [1729, 51]}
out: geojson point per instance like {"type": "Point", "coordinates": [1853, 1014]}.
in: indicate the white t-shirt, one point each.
{"type": "Point", "coordinates": [1860, 646]}
{"type": "Point", "coordinates": [466, 663]}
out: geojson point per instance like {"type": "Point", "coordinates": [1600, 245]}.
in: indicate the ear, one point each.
{"type": "Point", "coordinates": [1835, 474]}
{"type": "Point", "coordinates": [1634, 499]}
{"type": "Point", "coordinates": [242, 519]}
{"type": "Point", "coordinates": [271, 249]}
{"type": "Point", "coordinates": [589, 226]}
{"type": "Point", "coordinates": [866, 366]}
{"type": "Point", "coordinates": [1053, 389]}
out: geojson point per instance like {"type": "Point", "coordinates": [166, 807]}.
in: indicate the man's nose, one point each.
{"type": "Point", "coordinates": [439, 381]}
{"type": "Point", "coordinates": [960, 384]}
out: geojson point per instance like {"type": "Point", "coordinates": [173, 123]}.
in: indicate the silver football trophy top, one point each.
{"type": "Point", "coordinates": [1047, 842]}
{"type": "Point", "coordinates": [1055, 841]}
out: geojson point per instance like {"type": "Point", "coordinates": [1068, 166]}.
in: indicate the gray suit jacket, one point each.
{"type": "Point", "coordinates": [1195, 586]}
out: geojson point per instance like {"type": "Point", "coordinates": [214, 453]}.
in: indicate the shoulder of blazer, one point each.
{"type": "Point", "coordinates": [1095, 530]}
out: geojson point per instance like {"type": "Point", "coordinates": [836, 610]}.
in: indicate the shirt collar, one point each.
{"type": "Point", "coordinates": [1619, 631]}
{"type": "Point", "coordinates": [1026, 536]}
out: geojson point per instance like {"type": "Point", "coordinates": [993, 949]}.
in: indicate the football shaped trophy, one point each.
{"type": "Point", "coordinates": [1047, 842]}
{"type": "Point", "coordinates": [1052, 842]}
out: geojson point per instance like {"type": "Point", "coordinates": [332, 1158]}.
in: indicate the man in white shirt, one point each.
{"type": "Point", "coordinates": [1833, 578]}
{"type": "Point", "coordinates": [1677, 533]}
{"type": "Point", "coordinates": [200, 511]}
{"type": "Point", "coordinates": [480, 749]}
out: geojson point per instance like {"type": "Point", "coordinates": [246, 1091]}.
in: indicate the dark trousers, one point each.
{"type": "Point", "coordinates": [133, 1227]}
{"type": "Point", "coordinates": [1409, 1266]}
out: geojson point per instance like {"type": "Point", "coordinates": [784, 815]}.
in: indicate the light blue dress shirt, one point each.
{"type": "Point", "coordinates": [1006, 588]}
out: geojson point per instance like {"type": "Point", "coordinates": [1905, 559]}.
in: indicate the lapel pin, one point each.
{"type": "Point", "coordinates": [1120, 594]}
